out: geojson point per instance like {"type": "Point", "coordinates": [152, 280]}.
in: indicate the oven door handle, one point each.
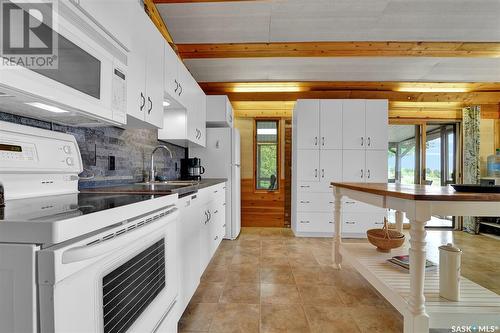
{"type": "Point", "coordinates": [80, 253]}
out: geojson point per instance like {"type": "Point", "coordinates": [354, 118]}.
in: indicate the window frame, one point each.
{"type": "Point", "coordinates": [278, 158]}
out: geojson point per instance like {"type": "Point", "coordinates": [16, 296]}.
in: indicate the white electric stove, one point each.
{"type": "Point", "coordinates": [79, 262]}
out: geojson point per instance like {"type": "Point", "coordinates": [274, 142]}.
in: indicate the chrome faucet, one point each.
{"type": "Point", "coordinates": [152, 173]}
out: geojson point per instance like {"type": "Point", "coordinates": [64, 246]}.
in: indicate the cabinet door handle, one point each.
{"type": "Point", "coordinates": [349, 202]}
{"type": "Point", "coordinates": [315, 173]}
{"type": "Point", "coordinates": [350, 222]}
{"type": "Point", "coordinates": [379, 222]}
{"type": "Point", "coordinates": [307, 201]}
{"type": "Point", "coordinates": [362, 141]}
{"type": "Point", "coordinates": [361, 173]}
{"type": "Point", "coordinates": [323, 141]}
{"type": "Point", "coordinates": [209, 215]}
{"type": "Point", "coordinates": [150, 105]}
{"type": "Point", "coordinates": [315, 140]}
{"type": "Point", "coordinates": [369, 142]}
{"type": "Point", "coordinates": [305, 222]}
{"type": "Point", "coordinates": [368, 173]}
{"type": "Point", "coordinates": [143, 101]}
{"type": "Point", "coordinates": [216, 211]}
{"type": "Point", "coordinates": [206, 217]}
{"type": "Point", "coordinates": [224, 225]}
{"type": "Point", "coordinates": [305, 186]}
{"type": "Point", "coordinates": [322, 173]}
{"type": "Point", "coordinates": [331, 222]}
{"type": "Point", "coordinates": [216, 238]}
{"type": "Point", "coordinates": [176, 85]}
{"type": "Point", "coordinates": [180, 92]}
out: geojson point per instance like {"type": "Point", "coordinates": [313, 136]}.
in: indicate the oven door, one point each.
{"type": "Point", "coordinates": [88, 77]}
{"type": "Point", "coordinates": [121, 280]}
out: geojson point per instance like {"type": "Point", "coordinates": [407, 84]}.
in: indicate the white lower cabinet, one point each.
{"type": "Point", "coordinates": [356, 224]}
{"type": "Point", "coordinates": [200, 231]}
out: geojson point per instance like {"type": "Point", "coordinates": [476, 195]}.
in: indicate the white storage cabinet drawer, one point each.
{"type": "Point", "coordinates": [315, 222]}
{"type": "Point", "coordinates": [358, 223]}
{"type": "Point", "coordinates": [315, 202]}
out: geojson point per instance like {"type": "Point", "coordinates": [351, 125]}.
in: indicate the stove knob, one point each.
{"type": "Point", "coordinates": [69, 161]}
{"type": "Point", "coordinates": [67, 149]}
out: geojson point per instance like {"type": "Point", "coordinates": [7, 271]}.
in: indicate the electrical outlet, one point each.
{"type": "Point", "coordinates": [111, 163]}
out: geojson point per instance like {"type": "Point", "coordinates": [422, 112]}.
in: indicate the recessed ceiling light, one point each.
{"type": "Point", "coordinates": [166, 102]}
{"type": "Point", "coordinates": [47, 107]}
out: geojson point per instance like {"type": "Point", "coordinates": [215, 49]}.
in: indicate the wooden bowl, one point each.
{"type": "Point", "coordinates": [379, 238]}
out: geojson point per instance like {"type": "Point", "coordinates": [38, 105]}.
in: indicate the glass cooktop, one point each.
{"type": "Point", "coordinates": [60, 207]}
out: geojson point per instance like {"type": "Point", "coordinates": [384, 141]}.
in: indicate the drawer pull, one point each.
{"type": "Point", "coordinates": [305, 186]}
{"type": "Point", "coordinates": [379, 222]}
{"type": "Point", "coordinates": [350, 222]}
{"type": "Point", "coordinates": [331, 202]}
{"type": "Point", "coordinates": [349, 202]}
{"type": "Point", "coordinates": [305, 222]}
{"type": "Point", "coordinates": [224, 204]}
{"type": "Point", "coordinates": [216, 211]}
{"type": "Point", "coordinates": [304, 202]}
{"type": "Point", "coordinates": [224, 225]}
{"type": "Point", "coordinates": [216, 238]}
{"type": "Point", "coordinates": [331, 222]}
{"type": "Point", "coordinates": [215, 191]}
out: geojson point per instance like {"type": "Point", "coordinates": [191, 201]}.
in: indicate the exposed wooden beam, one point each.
{"type": "Point", "coordinates": [340, 49]}
{"type": "Point", "coordinates": [154, 15]}
{"type": "Point", "coordinates": [192, 1]}
{"type": "Point", "coordinates": [302, 86]}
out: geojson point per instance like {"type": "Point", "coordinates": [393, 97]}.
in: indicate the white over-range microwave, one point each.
{"type": "Point", "coordinates": [87, 87]}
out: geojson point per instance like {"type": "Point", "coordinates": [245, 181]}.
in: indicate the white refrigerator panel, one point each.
{"type": "Point", "coordinates": [216, 157]}
{"type": "Point", "coordinates": [235, 203]}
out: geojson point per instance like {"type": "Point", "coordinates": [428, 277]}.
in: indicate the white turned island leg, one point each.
{"type": "Point", "coordinates": [338, 222]}
{"type": "Point", "coordinates": [399, 220]}
{"type": "Point", "coordinates": [417, 321]}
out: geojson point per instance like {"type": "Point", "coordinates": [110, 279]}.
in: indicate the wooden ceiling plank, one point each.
{"type": "Point", "coordinates": [193, 1]}
{"type": "Point", "coordinates": [340, 49]}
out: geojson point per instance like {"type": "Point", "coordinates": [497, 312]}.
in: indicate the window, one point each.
{"type": "Point", "coordinates": [266, 154]}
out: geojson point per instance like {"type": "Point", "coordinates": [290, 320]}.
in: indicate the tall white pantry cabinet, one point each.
{"type": "Point", "coordinates": [336, 140]}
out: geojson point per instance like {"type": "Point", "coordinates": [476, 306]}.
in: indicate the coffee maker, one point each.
{"type": "Point", "coordinates": [191, 169]}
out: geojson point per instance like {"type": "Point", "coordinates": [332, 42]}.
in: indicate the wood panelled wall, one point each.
{"type": "Point", "coordinates": [259, 208]}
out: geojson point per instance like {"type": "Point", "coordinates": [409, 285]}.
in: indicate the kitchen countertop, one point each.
{"type": "Point", "coordinates": [157, 188]}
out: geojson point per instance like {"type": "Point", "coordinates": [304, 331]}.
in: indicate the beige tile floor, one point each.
{"type": "Point", "coordinates": [269, 281]}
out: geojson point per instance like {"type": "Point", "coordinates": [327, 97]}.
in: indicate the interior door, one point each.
{"type": "Point", "coordinates": [353, 166]}
{"type": "Point", "coordinates": [330, 124]}
{"type": "Point", "coordinates": [353, 124]}
{"type": "Point", "coordinates": [307, 113]}
{"type": "Point", "coordinates": [308, 168]}
{"type": "Point", "coordinates": [377, 124]}
{"type": "Point", "coordinates": [331, 167]}
{"type": "Point", "coordinates": [376, 166]}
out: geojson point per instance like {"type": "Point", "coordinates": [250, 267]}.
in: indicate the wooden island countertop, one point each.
{"type": "Point", "coordinates": [418, 192]}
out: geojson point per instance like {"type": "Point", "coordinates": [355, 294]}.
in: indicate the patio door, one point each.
{"type": "Point", "coordinates": [424, 153]}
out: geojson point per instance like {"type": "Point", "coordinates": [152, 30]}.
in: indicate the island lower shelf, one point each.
{"type": "Point", "coordinates": [477, 306]}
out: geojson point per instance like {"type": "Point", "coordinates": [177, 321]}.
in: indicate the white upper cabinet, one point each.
{"type": "Point", "coordinates": [307, 113]}
{"type": "Point", "coordinates": [187, 108]}
{"type": "Point", "coordinates": [353, 166]}
{"type": "Point", "coordinates": [376, 125]}
{"type": "Point", "coordinates": [105, 14]}
{"type": "Point", "coordinates": [376, 166]}
{"type": "Point", "coordinates": [330, 124]}
{"type": "Point", "coordinates": [219, 111]}
{"type": "Point", "coordinates": [145, 78]}
{"type": "Point", "coordinates": [330, 166]}
{"type": "Point", "coordinates": [171, 71]}
{"type": "Point", "coordinates": [154, 78]}
{"type": "Point", "coordinates": [308, 170]}
{"type": "Point", "coordinates": [353, 124]}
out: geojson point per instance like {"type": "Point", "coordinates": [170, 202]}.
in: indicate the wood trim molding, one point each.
{"type": "Point", "coordinates": [154, 15]}
{"type": "Point", "coordinates": [339, 49]}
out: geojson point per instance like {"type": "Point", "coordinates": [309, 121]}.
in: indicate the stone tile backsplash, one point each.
{"type": "Point", "coordinates": [131, 148]}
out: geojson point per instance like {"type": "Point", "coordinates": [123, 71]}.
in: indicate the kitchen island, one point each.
{"type": "Point", "coordinates": [416, 295]}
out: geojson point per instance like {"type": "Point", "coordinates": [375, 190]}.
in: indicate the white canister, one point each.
{"type": "Point", "coordinates": [449, 272]}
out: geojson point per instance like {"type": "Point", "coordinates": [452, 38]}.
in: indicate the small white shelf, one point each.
{"type": "Point", "coordinates": [478, 305]}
